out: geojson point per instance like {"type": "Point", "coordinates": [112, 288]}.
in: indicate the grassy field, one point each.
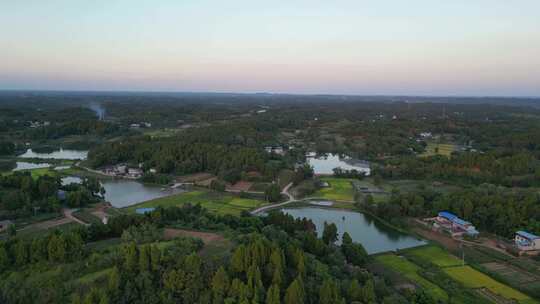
{"type": "Point", "coordinates": [411, 272]}
{"type": "Point", "coordinates": [36, 172]}
{"type": "Point", "coordinates": [435, 255]}
{"type": "Point", "coordinates": [222, 203]}
{"type": "Point", "coordinates": [438, 149]}
{"type": "Point", "coordinates": [86, 216]}
{"type": "Point", "coordinates": [339, 189]}
{"type": "Point", "coordinates": [91, 277]}
{"type": "Point", "coordinates": [472, 278]}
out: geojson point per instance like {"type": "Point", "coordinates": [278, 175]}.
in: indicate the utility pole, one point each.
{"type": "Point", "coordinates": [462, 254]}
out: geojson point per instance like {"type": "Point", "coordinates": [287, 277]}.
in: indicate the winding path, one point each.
{"type": "Point", "coordinates": [285, 191]}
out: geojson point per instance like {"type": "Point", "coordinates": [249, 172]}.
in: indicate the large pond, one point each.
{"type": "Point", "coordinates": [29, 166]}
{"type": "Point", "coordinates": [60, 154]}
{"type": "Point", "coordinates": [372, 234]}
{"type": "Point", "coordinates": [325, 164]}
{"type": "Point", "coordinates": [122, 193]}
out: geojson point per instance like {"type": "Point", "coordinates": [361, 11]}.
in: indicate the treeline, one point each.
{"type": "Point", "coordinates": [23, 196]}
{"type": "Point", "coordinates": [225, 151]}
{"type": "Point", "coordinates": [489, 208]}
{"type": "Point", "coordinates": [75, 127]}
{"type": "Point", "coordinates": [517, 170]}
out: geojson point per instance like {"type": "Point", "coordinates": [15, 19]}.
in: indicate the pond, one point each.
{"type": "Point", "coordinates": [374, 235]}
{"type": "Point", "coordinates": [29, 166]}
{"type": "Point", "coordinates": [123, 193]}
{"type": "Point", "coordinates": [59, 154]}
{"type": "Point", "coordinates": [325, 164]}
{"type": "Point", "coordinates": [71, 180]}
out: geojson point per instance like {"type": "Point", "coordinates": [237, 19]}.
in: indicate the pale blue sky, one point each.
{"type": "Point", "coordinates": [425, 47]}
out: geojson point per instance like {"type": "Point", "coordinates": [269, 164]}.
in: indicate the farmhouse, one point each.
{"type": "Point", "coordinates": [451, 223]}
{"type": "Point", "coordinates": [526, 241]}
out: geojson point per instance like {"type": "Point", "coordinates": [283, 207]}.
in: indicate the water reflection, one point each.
{"type": "Point", "coordinates": [29, 166]}
{"type": "Point", "coordinates": [122, 193]}
{"type": "Point", "coordinates": [374, 235]}
{"type": "Point", "coordinates": [60, 154]}
{"type": "Point", "coordinates": [325, 164]}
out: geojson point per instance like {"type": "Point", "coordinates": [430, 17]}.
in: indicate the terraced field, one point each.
{"type": "Point", "coordinates": [435, 255]}
{"type": "Point", "coordinates": [472, 278]}
{"type": "Point", "coordinates": [411, 271]}
{"type": "Point", "coordinates": [217, 202]}
{"type": "Point", "coordinates": [438, 149]}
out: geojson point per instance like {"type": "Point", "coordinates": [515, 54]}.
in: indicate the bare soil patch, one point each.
{"type": "Point", "coordinates": [240, 186]}
{"type": "Point", "coordinates": [446, 241]}
{"type": "Point", "coordinates": [194, 178]}
{"type": "Point", "coordinates": [206, 237]}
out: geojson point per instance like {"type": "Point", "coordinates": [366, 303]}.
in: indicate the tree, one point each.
{"type": "Point", "coordinates": [4, 259]}
{"type": "Point", "coordinates": [354, 253]}
{"type": "Point", "coordinates": [220, 286]}
{"type": "Point", "coordinates": [295, 292]}
{"type": "Point", "coordinates": [354, 292]}
{"type": "Point", "coordinates": [11, 230]}
{"type": "Point", "coordinates": [272, 193]}
{"type": "Point", "coordinates": [368, 292]}
{"type": "Point", "coordinates": [113, 285]}
{"type": "Point", "coordinates": [273, 296]}
{"type": "Point", "coordinates": [144, 258]}
{"type": "Point", "coordinates": [56, 248]}
{"type": "Point", "coordinates": [329, 293]}
{"type": "Point", "coordinates": [329, 233]}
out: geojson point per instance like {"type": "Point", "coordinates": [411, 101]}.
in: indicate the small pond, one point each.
{"type": "Point", "coordinates": [60, 154]}
{"type": "Point", "coordinates": [29, 166]}
{"type": "Point", "coordinates": [372, 234]}
{"type": "Point", "coordinates": [123, 193]}
{"type": "Point", "coordinates": [71, 180]}
{"type": "Point", "coordinates": [325, 164]}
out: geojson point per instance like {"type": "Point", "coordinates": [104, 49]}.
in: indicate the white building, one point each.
{"type": "Point", "coordinates": [526, 241]}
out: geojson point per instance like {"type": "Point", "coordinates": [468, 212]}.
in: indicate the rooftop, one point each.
{"type": "Point", "coordinates": [527, 235]}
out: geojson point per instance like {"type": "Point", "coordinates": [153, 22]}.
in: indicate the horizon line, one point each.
{"type": "Point", "coordinates": [135, 91]}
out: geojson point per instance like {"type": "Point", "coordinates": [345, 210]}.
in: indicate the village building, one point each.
{"type": "Point", "coordinates": [526, 241]}
{"type": "Point", "coordinates": [454, 225]}
{"type": "Point", "coordinates": [134, 172]}
{"type": "Point", "coordinates": [5, 224]}
{"type": "Point", "coordinates": [279, 150]}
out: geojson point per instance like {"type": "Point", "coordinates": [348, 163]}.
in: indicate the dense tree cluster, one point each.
{"type": "Point", "coordinates": [22, 195]}
{"type": "Point", "coordinates": [274, 262]}
{"type": "Point", "coordinates": [490, 208]}
{"type": "Point", "coordinates": [521, 170]}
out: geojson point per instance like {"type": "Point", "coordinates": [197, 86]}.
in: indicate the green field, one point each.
{"type": "Point", "coordinates": [339, 189]}
{"type": "Point", "coordinates": [435, 255]}
{"type": "Point", "coordinates": [37, 172]}
{"type": "Point", "coordinates": [411, 272]}
{"type": "Point", "coordinates": [438, 149]}
{"type": "Point", "coordinates": [222, 203]}
{"type": "Point", "coordinates": [472, 278]}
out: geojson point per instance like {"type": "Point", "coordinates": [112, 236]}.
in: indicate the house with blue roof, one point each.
{"type": "Point", "coordinates": [454, 225]}
{"type": "Point", "coordinates": [526, 241]}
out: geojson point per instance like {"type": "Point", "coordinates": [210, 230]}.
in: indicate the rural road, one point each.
{"type": "Point", "coordinates": [68, 213]}
{"type": "Point", "coordinates": [285, 191]}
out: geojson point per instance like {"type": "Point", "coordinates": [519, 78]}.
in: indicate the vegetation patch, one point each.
{"type": "Point", "coordinates": [435, 255]}
{"type": "Point", "coordinates": [472, 278]}
{"type": "Point", "coordinates": [411, 272]}
{"type": "Point", "coordinates": [222, 203]}
{"type": "Point", "coordinates": [438, 149]}
{"type": "Point", "coordinates": [338, 189]}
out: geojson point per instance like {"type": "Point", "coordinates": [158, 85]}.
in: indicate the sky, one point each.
{"type": "Point", "coordinates": [383, 47]}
